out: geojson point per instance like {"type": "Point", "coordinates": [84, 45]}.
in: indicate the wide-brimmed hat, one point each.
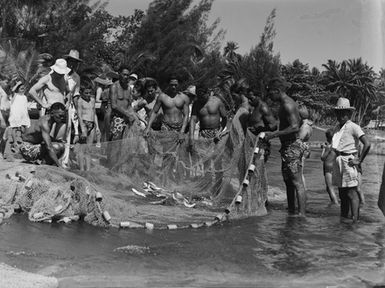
{"type": "Point", "coordinates": [74, 54]}
{"type": "Point", "coordinates": [103, 80]}
{"type": "Point", "coordinates": [133, 76]}
{"type": "Point", "coordinates": [190, 90]}
{"type": "Point", "coordinates": [112, 75]}
{"type": "Point", "coordinates": [343, 104]}
{"type": "Point", "coordinates": [17, 85]}
{"type": "Point", "coordinates": [60, 66]}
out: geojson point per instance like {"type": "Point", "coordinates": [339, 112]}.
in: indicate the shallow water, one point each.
{"type": "Point", "coordinates": [270, 251]}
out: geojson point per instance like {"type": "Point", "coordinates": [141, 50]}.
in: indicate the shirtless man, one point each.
{"type": "Point", "coordinates": [46, 135]}
{"type": "Point", "coordinates": [261, 118]}
{"type": "Point", "coordinates": [292, 147]}
{"type": "Point", "coordinates": [175, 107]}
{"type": "Point", "coordinates": [54, 85]}
{"type": "Point", "coordinates": [210, 112]}
{"type": "Point", "coordinates": [123, 114]}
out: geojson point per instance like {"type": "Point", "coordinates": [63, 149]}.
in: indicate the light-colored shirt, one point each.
{"type": "Point", "coordinates": [347, 139]}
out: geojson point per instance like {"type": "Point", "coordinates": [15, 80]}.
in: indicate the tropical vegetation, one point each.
{"type": "Point", "coordinates": [176, 38]}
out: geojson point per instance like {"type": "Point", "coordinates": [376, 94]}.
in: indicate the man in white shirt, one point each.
{"type": "Point", "coordinates": [345, 142]}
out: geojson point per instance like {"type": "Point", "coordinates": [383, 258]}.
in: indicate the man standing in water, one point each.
{"type": "Point", "coordinates": [175, 107]}
{"type": "Point", "coordinates": [292, 147]}
{"type": "Point", "coordinates": [123, 114]}
{"type": "Point", "coordinates": [345, 143]}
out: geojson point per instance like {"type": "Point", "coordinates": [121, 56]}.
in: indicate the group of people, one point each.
{"type": "Point", "coordinates": [105, 107]}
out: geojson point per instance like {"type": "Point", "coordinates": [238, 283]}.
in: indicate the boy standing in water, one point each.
{"type": "Point", "coordinates": [86, 110]}
{"type": "Point", "coordinates": [328, 157]}
{"type": "Point", "coordinates": [345, 142]}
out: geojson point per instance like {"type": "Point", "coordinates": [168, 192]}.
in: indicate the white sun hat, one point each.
{"type": "Point", "coordinates": [60, 66]}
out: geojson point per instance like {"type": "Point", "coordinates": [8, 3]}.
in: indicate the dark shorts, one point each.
{"type": "Point", "coordinates": [328, 169]}
{"type": "Point", "coordinates": [90, 125]}
{"type": "Point", "coordinates": [209, 133]}
{"type": "Point", "coordinates": [291, 155]}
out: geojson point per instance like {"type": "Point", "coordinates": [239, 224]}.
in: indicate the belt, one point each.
{"type": "Point", "coordinates": [340, 153]}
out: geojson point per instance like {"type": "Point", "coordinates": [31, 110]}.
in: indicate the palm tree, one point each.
{"type": "Point", "coordinates": [354, 80]}
{"type": "Point", "coordinates": [229, 51]}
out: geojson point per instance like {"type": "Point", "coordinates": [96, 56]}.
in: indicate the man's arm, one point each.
{"type": "Point", "coordinates": [81, 123]}
{"type": "Point", "coordinates": [223, 114]}
{"type": "Point", "coordinates": [185, 115]}
{"type": "Point", "coordinates": [268, 118]}
{"type": "Point", "coordinates": [364, 140]}
{"type": "Point", "coordinates": [47, 140]}
{"type": "Point", "coordinates": [194, 119]}
{"type": "Point", "coordinates": [33, 92]}
{"type": "Point", "coordinates": [153, 113]}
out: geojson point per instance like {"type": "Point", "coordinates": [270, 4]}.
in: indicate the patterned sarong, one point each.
{"type": "Point", "coordinates": [291, 155]}
{"type": "Point", "coordinates": [166, 126]}
{"type": "Point", "coordinates": [118, 125]}
{"type": "Point", "coordinates": [209, 133]}
{"type": "Point", "coordinates": [31, 152]}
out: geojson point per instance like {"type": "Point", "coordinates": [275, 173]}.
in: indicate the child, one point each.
{"type": "Point", "coordinates": [86, 113]}
{"type": "Point", "coordinates": [304, 134]}
{"type": "Point", "coordinates": [328, 157]}
{"type": "Point", "coordinates": [18, 116]}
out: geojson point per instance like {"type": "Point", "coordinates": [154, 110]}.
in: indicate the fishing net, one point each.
{"type": "Point", "coordinates": [159, 180]}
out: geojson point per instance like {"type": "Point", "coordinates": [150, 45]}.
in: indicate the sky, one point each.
{"type": "Point", "coordinates": [312, 31]}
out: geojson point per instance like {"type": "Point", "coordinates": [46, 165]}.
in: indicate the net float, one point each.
{"type": "Point", "coordinates": [172, 227]}
{"type": "Point", "coordinates": [245, 183]}
{"type": "Point", "coordinates": [99, 196]}
{"type": "Point", "coordinates": [196, 225]}
{"type": "Point", "coordinates": [238, 200]}
{"type": "Point", "coordinates": [75, 218]}
{"type": "Point", "coordinates": [251, 168]}
{"type": "Point", "coordinates": [256, 150]}
{"type": "Point", "coordinates": [210, 223]}
{"type": "Point", "coordinates": [106, 216]}
{"type": "Point", "coordinates": [149, 226]}
{"type": "Point", "coordinates": [261, 135]}
{"type": "Point", "coordinates": [22, 178]}
{"type": "Point", "coordinates": [38, 215]}
{"type": "Point", "coordinates": [58, 208]}
{"type": "Point", "coordinates": [220, 217]}
{"type": "Point", "coordinates": [125, 224]}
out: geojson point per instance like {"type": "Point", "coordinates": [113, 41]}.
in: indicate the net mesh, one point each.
{"type": "Point", "coordinates": [158, 179]}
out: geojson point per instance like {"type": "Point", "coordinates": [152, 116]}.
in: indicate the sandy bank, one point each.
{"type": "Point", "coordinates": [12, 277]}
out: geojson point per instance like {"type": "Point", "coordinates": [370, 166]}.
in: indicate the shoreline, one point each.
{"type": "Point", "coordinates": [14, 277]}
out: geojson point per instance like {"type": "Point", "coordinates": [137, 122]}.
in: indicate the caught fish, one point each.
{"type": "Point", "coordinates": [138, 193]}
{"type": "Point", "coordinates": [188, 205]}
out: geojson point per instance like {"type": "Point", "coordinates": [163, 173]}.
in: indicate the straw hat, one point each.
{"type": "Point", "coordinates": [104, 81]}
{"type": "Point", "coordinates": [190, 90]}
{"type": "Point", "coordinates": [343, 104]}
{"type": "Point", "coordinates": [17, 85]}
{"type": "Point", "coordinates": [74, 54]}
{"type": "Point", "coordinates": [60, 66]}
{"type": "Point", "coordinates": [134, 76]}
